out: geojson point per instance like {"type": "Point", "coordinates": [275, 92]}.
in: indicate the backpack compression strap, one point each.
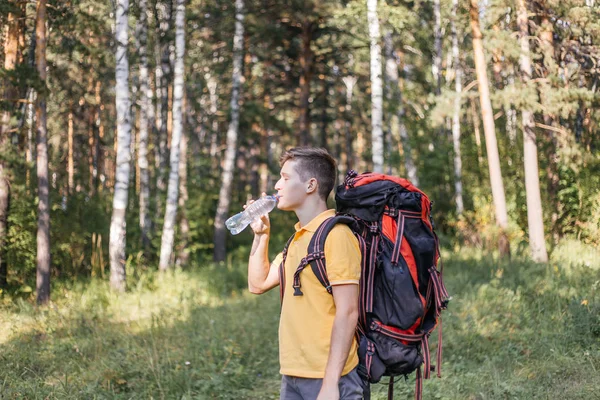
{"type": "Point", "coordinates": [316, 253]}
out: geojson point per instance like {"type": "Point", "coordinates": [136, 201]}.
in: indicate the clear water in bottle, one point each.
{"type": "Point", "coordinates": [241, 220]}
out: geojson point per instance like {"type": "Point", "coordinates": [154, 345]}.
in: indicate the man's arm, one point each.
{"type": "Point", "coordinates": [262, 276]}
{"type": "Point", "coordinates": [342, 334]}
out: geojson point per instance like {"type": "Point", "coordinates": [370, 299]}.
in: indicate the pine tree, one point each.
{"type": "Point", "coordinates": [535, 219]}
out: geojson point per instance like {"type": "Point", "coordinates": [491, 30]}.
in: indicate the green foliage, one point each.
{"type": "Point", "coordinates": [513, 330]}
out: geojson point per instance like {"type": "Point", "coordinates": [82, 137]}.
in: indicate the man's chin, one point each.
{"type": "Point", "coordinates": [282, 207]}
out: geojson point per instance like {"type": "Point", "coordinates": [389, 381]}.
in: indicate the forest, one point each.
{"type": "Point", "coordinates": [130, 130]}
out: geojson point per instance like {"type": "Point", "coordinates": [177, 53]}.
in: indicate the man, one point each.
{"type": "Point", "coordinates": [317, 348]}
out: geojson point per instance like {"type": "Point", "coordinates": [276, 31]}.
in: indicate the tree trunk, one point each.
{"type": "Point", "coordinates": [456, 113]}
{"type": "Point", "coordinates": [535, 218]}
{"type": "Point", "coordinates": [351, 159]}
{"type": "Point", "coordinates": [211, 84]}
{"type": "Point", "coordinates": [11, 50]}
{"type": "Point", "coordinates": [549, 66]}
{"type": "Point", "coordinates": [163, 72]}
{"type": "Point", "coordinates": [168, 234]}
{"type": "Point", "coordinates": [121, 191]}
{"type": "Point", "coordinates": [145, 106]}
{"type": "Point", "coordinates": [307, 58]}
{"type": "Point", "coordinates": [43, 231]}
{"type": "Point", "coordinates": [437, 47]}
{"type": "Point", "coordinates": [376, 87]}
{"type": "Point", "coordinates": [398, 114]}
{"type": "Point", "coordinates": [184, 225]}
{"type": "Point", "coordinates": [232, 135]}
{"type": "Point", "coordinates": [11, 46]}
{"type": "Point", "coordinates": [489, 129]}
{"type": "Point", "coordinates": [70, 160]}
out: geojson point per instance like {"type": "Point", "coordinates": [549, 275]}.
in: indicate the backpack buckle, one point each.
{"type": "Point", "coordinates": [297, 291]}
{"type": "Point", "coordinates": [392, 212]}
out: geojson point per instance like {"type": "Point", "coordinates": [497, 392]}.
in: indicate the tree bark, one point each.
{"type": "Point", "coordinates": [437, 47]}
{"type": "Point", "coordinates": [376, 86]}
{"type": "Point", "coordinates": [307, 59]}
{"type": "Point", "coordinates": [118, 222]}
{"type": "Point", "coordinates": [184, 225]}
{"type": "Point", "coordinates": [351, 159]}
{"type": "Point", "coordinates": [145, 105]}
{"type": "Point", "coordinates": [489, 129]}
{"type": "Point", "coordinates": [168, 233]}
{"type": "Point", "coordinates": [397, 111]}
{"type": "Point", "coordinates": [456, 113]}
{"type": "Point", "coordinates": [43, 231]}
{"type": "Point", "coordinates": [232, 136]}
{"type": "Point", "coordinates": [11, 47]}
{"type": "Point", "coordinates": [535, 218]}
{"type": "Point", "coordinates": [70, 160]}
{"type": "Point", "coordinates": [163, 72]}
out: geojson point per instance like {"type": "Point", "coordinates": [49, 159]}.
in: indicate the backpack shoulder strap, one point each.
{"type": "Point", "coordinates": [282, 268]}
{"type": "Point", "coordinates": [316, 247]}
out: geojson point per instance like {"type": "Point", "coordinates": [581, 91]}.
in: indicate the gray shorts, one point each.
{"type": "Point", "coordinates": [294, 388]}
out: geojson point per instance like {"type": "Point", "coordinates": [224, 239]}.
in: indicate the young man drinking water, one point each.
{"type": "Point", "coordinates": [317, 346]}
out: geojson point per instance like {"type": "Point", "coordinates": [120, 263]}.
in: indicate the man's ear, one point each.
{"type": "Point", "coordinates": [312, 186]}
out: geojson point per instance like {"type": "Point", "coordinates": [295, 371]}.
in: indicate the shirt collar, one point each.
{"type": "Point", "coordinates": [314, 224]}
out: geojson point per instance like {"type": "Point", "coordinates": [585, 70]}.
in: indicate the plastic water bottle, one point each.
{"type": "Point", "coordinates": [254, 211]}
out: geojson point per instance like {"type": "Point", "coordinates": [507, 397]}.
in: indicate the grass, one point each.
{"type": "Point", "coordinates": [514, 330]}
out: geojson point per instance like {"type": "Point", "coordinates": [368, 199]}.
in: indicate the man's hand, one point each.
{"type": "Point", "coordinates": [329, 392]}
{"type": "Point", "coordinates": [260, 226]}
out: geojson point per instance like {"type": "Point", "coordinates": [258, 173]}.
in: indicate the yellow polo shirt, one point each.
{"type": "Point", "coordinates": [307, 321]}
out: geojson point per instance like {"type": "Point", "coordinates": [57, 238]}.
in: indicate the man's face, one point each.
{"type": "Point", "coordinates": [290, 187]}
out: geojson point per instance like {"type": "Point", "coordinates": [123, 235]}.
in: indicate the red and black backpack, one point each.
{"type": "Point", "coordinates": [401, 289]}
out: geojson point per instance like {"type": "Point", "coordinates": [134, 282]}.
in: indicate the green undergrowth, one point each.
{"type": "Point", "coordinates": [513, 330]}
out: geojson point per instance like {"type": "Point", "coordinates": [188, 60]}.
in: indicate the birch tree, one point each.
{"type": "Point", "coordinates": [489, 128]}
{"type": "Point", "coordinates": [232, 135]}
{"type": "Point", "coordinates": [535, 218]}
{"type": "Point", "coordinates": [376, 86]}
{"type": "Point", "coordinates": [145, 106]}
{"type": "Point", "coordinates": [351, 160]}
{"type": "Point", "coordinates": [43, 230]}
{"type": "Point", "coordinates": [456, 112]}
{"type": "Point", "coordinates": [118, 223]}
{"type": "Point", "coordinates": [168, 233]}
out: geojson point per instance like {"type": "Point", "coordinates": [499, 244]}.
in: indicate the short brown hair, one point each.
{"type": "Point", "coordinates": [313, 162]}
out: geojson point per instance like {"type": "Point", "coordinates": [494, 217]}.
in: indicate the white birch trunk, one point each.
{"type": "Point", "coordinates": [232, 135]}
{"type": "Point", "coordinates": [456, 113]}
{"type": "Point", "coordinates": [351, 160]}
{"type": "Point", "coordinates": [145, 107]}
{"type": "Point", "coordinates": [376, 87]}
{"type": "Point", "coordinates": [168, 233]}
{"type": "Point", "coordinates": [184, 226]}
{"type": "Point", "coordinates": [535, 218]}
{"type": "Point", "coordinates": [118, 222]}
